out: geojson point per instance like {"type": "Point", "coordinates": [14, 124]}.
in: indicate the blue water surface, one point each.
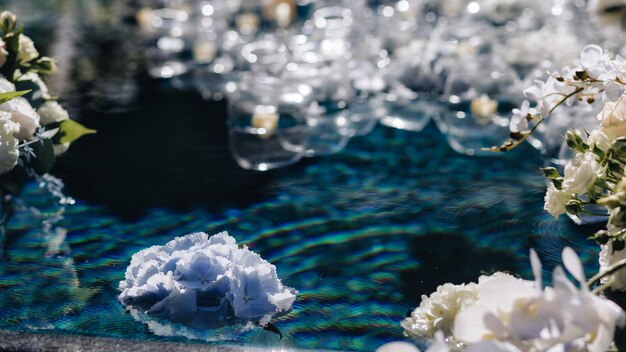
{"type": "Point", "coordinates": [361, 234]}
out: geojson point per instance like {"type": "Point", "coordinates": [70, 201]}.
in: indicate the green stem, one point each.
{"type": "Point", "coordinates": [532, 130]}
{"type": "Point", "coordinates": [610, 270]}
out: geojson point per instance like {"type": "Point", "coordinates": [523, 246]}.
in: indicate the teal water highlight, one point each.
{"type": "Point", "coordinates": [362, 235]}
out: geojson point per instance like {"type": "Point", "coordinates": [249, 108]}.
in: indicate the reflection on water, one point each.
{"type": "Point", "coordinates": [361, 234]}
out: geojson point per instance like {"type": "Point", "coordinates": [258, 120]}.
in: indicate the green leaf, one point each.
{"type": "Point", "coordinates": [4, 97]}
{"type": "Point", "coordinates": [44, 156]}
{"type": "Point", "coordinates": [70, 130]}
{"type": "Point", "coordinates": [550, 172]}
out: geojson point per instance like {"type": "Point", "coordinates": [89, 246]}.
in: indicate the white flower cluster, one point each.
{"type": "Point", "coordinates": [509, 314]}
{"type": "Point", "coordinates": [597, 77]}
{"type": "Point", "coordinates": [203, 281]}
{"type": "Point", "coordinates": [33, 111]}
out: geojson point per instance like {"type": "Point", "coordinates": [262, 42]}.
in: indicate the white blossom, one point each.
{"type": "Point", "coordinates": [581, 173]}
{"type": "Point", "coordinates": [26, 49]}
{"type": "Point", "coordinates": [519, 121]}
{"type": "Point", "coordinates": [599, 140]}
{"type": "Point", "coordinates": [613, 118]}
{"type": "Point", "coordinates": [437, 311]}
{"type": "Point", "coordinates": [4, 54]}
{"type": "Point", "coordinates": [52, 111]}
{"type": "Point", "coordinates": [21, 111]}
{"type": "Point", "coordinates": [9, 152]}
{"type": "Point", "coordinates": [522, 316]}
{"type": "Point", "coordinates": [205, 281]}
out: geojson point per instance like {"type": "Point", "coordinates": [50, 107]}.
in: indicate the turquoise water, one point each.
{"type": "Point", "coordinates": [361, 234]}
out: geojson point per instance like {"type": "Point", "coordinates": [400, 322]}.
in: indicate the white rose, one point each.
{"type": "Point", "coordinates": [581, 173]}
{"type": "Point", "coordinates": [51, 111]}
{"type": "Point", "coordinates": [599, 139]}
{"type": "Point", "coordinates": [40, 90]}
{"type": "Point", "coordinates": [554, 201]}
{"type": "Point", "coordinates": [3, 53]}
{"type": "Point", "coordinates": [27, 51]}
{"type": "Point", "coordinates": [21, 111]}
{"type": "Point", "coordinates": [613, 118]}
{"type": "Point", "coordinates": [8, 143]}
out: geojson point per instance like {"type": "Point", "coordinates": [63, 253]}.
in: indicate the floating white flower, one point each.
{"type": "Point", "coordinates": [21, 111]}
{"type": "Point", "coordinates": [518, 315]}
{"type": "Point", "coordinates": [205, 282]}
{"type": "Point", "coordinates": [9, 152]}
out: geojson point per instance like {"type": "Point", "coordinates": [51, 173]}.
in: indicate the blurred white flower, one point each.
{"type": "Point", "coordinates": [521, 316]}
{"type": "Point", "coordinates": [26, 50]}
{"type": "Point", "coordinates": [439, 344]}
{"type": "Point", "coordinates": [21, 111]}
{"type": "Point", "coordinates": [204, 281]}
{"type": "Point", "coordinates": [397, 346]}
{"type": "Point", "coordinates": [9, 152]}
{"type": "Point", "coordinates": [519, 121]}
{"type": "Point", "coordinates": [581, 173]}
{"type": "Point", "coordinates": [608, 257]}
{"type": "Point", "coordinates": [52, 111]}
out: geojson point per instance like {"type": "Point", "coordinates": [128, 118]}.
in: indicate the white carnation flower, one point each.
{"type": "Point", "coordinates": [204, 281]}
{"type": "Point", "coordinates": [27, 51]}
{"type": "Point", "coordinates": [437, 311]}
{"type": "Point", "coordinates": [555, 200]}
{"type": "Point", "coordinates": [581, 173]}
{"type": "Point", "coordinates": [21, 111]}
{"type": "Point", "coordinates": [52, 111]}
{"type": "Point", "coordinates": [9, 152]}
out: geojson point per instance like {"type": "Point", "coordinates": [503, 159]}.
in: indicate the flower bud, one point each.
{"type": "Point", "coordinates": [46, 65]}
{"type": "Point", "coordinates": [575, 141]}
{"type": "Point", "coordinates": [8, 21]}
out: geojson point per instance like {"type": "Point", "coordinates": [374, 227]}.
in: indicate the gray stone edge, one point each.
{"type": "Point", "coordinates": [55, 342]}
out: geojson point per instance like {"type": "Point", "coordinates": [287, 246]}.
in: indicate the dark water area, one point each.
{"type": "Point", "coordinates": [361, 234]}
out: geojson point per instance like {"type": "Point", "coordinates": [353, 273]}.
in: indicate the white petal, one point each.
{"type": "Point", "coordinates": [590, 55]}
{"type": "Point", "coordinates": [573, 265]}
{"type": "Point", "coordinates": [536, 265]}
{"type": "Point", "coordinates": [469, 324]}
{"type": "Point", "coordinates": [397, 347]}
